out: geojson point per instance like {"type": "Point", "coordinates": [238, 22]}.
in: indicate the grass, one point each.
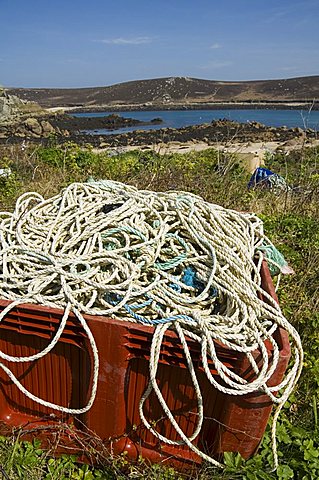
{"type": "Point", "coordinates": [291, 220]}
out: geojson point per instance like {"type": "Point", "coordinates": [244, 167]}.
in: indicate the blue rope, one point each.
{"type": "Point", "coordinates": [158, 321]}
{"type": "Point", "coordinates": [189, 278]}
{"type": "Point", "coordinates": [124, 229]}
{"type": "Point", "coordinates": [174, 262]}
{"type": "Point", "coordinates": [140, 318]}
{"type": "Point", "coordinates": [141, 305]}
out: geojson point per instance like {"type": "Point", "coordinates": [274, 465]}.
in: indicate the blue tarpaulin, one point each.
{"type": "Point", "coordinates": [263, 177]}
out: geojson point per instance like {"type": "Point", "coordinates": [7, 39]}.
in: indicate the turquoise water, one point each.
{"type": "Point", "coordinates": [184, 118]}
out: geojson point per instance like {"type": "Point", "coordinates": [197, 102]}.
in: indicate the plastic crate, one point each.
{"type": "Point", "coordinates": [63, 376]}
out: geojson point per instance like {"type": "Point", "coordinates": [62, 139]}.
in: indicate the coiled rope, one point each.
{"type": "Point", "coordinates": [168, 260]}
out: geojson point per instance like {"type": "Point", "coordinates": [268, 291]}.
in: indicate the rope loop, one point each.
{"type": "Point", "coordinates": [167, 260]}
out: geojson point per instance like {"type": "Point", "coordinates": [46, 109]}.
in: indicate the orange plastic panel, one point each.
{"type": "Point", "coordinates": [64, 377]}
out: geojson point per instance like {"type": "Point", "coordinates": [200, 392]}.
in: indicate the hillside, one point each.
{"type": "Point", "coordinates": [179, 91]}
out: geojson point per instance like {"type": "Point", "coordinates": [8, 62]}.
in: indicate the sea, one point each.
{"type": "Point", "coordinates": [184, 118]}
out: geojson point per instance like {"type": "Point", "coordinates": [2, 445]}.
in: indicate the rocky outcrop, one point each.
{"type": "Point", "coordinates": [218, 131]}
{"type": "Point", "coordinates": [20, 118]}
{"type": "Point", "coordinates": [33, 128]}
{"type": "Point", "coordinates": [9, 107]}
{"type": "Point", "coordinates": [12, 108]}
{"type": "Point", "coordinates": [107, 122]}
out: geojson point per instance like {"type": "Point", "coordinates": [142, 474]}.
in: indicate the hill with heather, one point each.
{"type": "Point", "coordinates": [176, 91]}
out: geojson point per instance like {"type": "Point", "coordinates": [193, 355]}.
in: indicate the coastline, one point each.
{"type": "Point", "coordinates": [254, 148]}
{"type": "Point", "coordinates": [249, 154]}
{"type": "Point", "coordinates": [262, 105]}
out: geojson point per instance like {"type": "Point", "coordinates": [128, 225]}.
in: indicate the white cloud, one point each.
{"type": "Point", "coordinates": [127, 41]}
{"type": "Point", "coordinates": [215, 46]}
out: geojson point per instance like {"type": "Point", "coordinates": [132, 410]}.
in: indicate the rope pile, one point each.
{"type": "Point", "coordinates": [167, 260]}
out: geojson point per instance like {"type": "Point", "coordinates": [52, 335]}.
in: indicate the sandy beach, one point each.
{"type": "Point", "coordinates": [252, 154]}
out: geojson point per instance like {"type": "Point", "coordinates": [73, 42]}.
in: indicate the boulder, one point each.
{"type": "Point", "coordinates": [47, 128]}
{"type": "Point", "coordinates": [33, 126]}
{"type": "Point", "coordinates": [291, 143]}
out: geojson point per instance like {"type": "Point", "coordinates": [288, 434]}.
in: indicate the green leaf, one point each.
{"type": "Point", "coordinates": [285, 472]}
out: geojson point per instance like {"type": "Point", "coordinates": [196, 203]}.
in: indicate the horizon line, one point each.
{"type": "Point", "coordinates": [158, 78]}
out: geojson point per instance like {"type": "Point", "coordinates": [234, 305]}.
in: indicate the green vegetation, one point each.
{"type": "Point", "coordinates": [291, 221]}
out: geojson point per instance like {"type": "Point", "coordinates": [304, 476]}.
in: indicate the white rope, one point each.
{"type": "Point", "coordinates": [168, 260]}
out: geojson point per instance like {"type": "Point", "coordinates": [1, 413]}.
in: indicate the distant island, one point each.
{"type": "Point", "coordinates": [39, 114]}
{"type": "Point", "coordinates": [179, 93]}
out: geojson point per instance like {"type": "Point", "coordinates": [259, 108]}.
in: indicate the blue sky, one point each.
{"type": "Point", "coordinates": [99, 42]}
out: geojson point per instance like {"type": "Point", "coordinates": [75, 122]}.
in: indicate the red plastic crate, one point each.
{"type": "Point", "coordinates": [232, 423]}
